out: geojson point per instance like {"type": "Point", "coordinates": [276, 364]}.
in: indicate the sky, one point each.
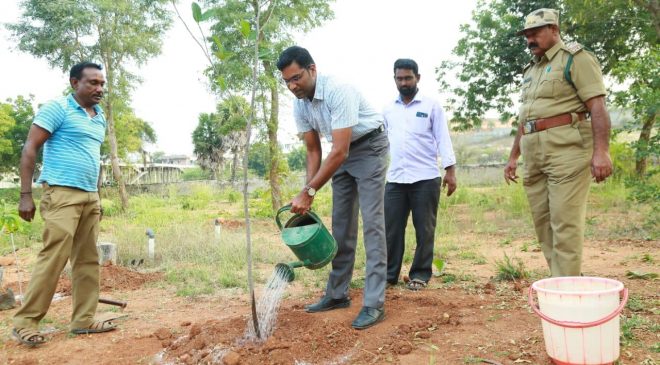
{"type": "Point", "coordinates": [359, 45]}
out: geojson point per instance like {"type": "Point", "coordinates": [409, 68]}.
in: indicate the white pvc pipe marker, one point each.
{"type": "Point", "coordinates": [151, 243]}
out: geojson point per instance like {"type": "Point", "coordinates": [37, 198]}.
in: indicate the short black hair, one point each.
{"type": "Point", "coordinates": [294, 53]}
{"type": "Point", "coordinates": [77, 69]}
{"type": "Point", "coordinates": [406, 64]}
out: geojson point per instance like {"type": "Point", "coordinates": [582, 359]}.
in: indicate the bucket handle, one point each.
{"type": "Point", "coordinates": [570, 324]}
{"type": "Point", "coordinates": [288, 208]}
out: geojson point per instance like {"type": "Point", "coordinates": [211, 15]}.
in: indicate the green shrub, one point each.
{"type": "Point", "coordinates": [196, 173]}
{"type": "Point", "coordinates": [510, 269]}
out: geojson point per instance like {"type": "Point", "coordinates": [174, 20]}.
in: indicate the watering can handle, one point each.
{"type": "Point", "coordinates": [288, 207]}
{"type": "Point", "coordinates": [280, 211]}
{"type": "Point", "coordinates": [569, 324]}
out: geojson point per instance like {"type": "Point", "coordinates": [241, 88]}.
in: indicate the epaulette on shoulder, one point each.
{"type": "Point", "coordinates": [574, 47]}
{"type": "Point", "coordinates": [528, 65]}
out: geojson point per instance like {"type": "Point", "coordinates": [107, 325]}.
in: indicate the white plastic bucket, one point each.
{"type": "Point", "coordinates": [580, 318]}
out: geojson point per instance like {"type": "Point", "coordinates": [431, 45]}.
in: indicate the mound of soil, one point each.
{"type": "Point", "coordinates": [327, 338]}
{"type": "Point", "coordinates": [114, 278]}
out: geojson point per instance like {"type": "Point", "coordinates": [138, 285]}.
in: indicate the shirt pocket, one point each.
{"type": "Point", "coordinates": [549, 84]}
{"type": "Point", "coordinates": [420, 123]}
{"type": "Point", "coordinates": [525, 89]}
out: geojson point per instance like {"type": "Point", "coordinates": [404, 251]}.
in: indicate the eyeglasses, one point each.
{"type": "Point", "coordinates": [295, 79]}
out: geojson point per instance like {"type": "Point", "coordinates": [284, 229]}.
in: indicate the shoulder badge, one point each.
{"type": "Point", "coordinates": [528, 65]}
{"type": "Point", "coordinates": [574, 47]}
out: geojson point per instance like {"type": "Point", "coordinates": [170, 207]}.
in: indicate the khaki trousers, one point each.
{"type": "Point", "coordinates": [556, 178]}
{"type": "Point", "coordinates": [71, 218]}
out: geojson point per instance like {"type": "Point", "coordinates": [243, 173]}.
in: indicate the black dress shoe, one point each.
{"type": "Point", "coordinates": [368, 317]}
{"type": "Point", "coordinates": [326, 303]}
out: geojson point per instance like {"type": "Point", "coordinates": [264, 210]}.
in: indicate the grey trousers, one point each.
{"type": "Point", "coordinates": [360, 184]}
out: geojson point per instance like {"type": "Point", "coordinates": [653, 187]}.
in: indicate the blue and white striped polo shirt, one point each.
{"type": "Point", "coordinates": [335, 105]}
{"type": "Point", "coordinates": [72, 153]}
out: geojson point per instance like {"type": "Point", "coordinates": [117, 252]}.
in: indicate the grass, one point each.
{"type": "Point", "coordinates": [631, 325]}
{"type": "Point", "coordinates": [196, 262]}
{"type": "Point", "coordinates": [510, 269]}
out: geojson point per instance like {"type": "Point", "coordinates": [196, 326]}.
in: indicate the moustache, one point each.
{"type": "Point", "coordinates": [533, 45]}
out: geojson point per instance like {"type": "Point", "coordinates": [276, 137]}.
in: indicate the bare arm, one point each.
{"type": "Point", "coordinates": [314, 152]}
{"type": "Point", "coordinates": [601, 164]}
{"type": "Point", "coordinates": [36, 138]}
{"type": "Point", "coordinates": [512, 164]}
{"type": "Point", "coordinates": [341, 142]}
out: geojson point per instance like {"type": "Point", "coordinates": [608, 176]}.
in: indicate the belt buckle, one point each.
{"type": "Point", "coordinates": [529, 126]}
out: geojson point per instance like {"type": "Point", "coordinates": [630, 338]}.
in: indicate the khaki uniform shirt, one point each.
{"type": "Point", "coordinates": [546, 92]}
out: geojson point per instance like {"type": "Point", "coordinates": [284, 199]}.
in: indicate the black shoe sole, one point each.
{"type": "Point", "coordinates": [336, 306]}
{"type": "Point", "coordinates": [378, 320]}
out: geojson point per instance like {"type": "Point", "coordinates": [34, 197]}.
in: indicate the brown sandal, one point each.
{"type": "Point", "coordinates": [28, 336]}
{"type": "Point", "coordinates": [97, 326]}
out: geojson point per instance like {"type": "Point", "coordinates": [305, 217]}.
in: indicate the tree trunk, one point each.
{"type": "Point", "coordinates": [643, 143]}
{"type": "Point", "coordinates": [114, 160]}
{"type": "Point", "coordinates": [274, 149]}
{"type": "Point", "coordinates": [235, 152]}
{"type": "Point", "coordinates": [112, 137]}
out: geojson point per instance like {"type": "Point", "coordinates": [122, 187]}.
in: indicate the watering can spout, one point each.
{"type": "Point", "coordinates": [286, 270]}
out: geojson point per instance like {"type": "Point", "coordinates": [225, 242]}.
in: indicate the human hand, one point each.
{"type": "Point", "coordinates": [449, 181]}
{"type": "Point", "coordinates": [601, 166]}
{"type": "Point", "coordinates": [301, 203]}
{"type": "Point", "coordinates": [26, 207]}
{"type": "Point", "coordinates": [510, 171]}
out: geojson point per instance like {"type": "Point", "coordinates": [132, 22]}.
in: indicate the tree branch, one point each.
{"type": "Point", "coordinates": [204, 50]}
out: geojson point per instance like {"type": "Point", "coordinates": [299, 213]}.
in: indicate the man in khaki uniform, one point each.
{"type": "Point", "coordinates": [563, 134]}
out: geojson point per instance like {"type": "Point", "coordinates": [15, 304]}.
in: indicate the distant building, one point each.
{"type": "Point", "coordinates": [182, 160]}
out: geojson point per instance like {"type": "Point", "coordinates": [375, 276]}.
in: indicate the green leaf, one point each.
{"type": "Point", "coordinates": [265, 54]}
{"type": "Point", "coordinates": [221, 82]}
{"type": "Point", "coordinates": [245, 28]}
{"type": "Point", "coordinates": [196, 12]}
{"type": "Point", "coordinates": [208, 14]}
{"type": "Point", "coordinates": [217, 42]}
{"type": "Point", "coordinates": [439, 266]}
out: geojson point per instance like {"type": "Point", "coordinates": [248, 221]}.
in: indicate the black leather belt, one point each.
{"type": "Point", "coordinates": [372, 133]}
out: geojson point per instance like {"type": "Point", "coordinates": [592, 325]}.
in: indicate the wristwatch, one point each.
{"type": "Point", "coordinates": [309, 190]}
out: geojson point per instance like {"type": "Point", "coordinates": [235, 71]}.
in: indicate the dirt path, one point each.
{"type": "Point", "coordinates": [464, 322]}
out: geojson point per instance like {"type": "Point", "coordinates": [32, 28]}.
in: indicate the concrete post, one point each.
{"type": "Point", "coordinates": [151, 243]}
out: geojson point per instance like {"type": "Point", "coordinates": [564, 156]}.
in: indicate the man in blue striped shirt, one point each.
{"type": "Point", "coordinates": [356, 163]}
{"type": "Point", "coordinates": [71, 129]}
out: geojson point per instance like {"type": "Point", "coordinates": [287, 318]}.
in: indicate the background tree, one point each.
{"type": "Point", "coordinates": [624, 35]}
{"type": "Point", "coordinates": [221, 132]}
{"type": "Point", "coordinates": [115, 33]}
{"type": "Point", "coordinates": [132, 133]}
{"type": "Point", "coordinates": [489, 59]}
{"type": "Point", "coordinates": [7, 123]}
{"type": "Point", "coordinates": [231, 73]}
{"type": "Point", "coordinates": [208, 142]}
{"type": "Point", "coordinates": [233, 113]}
{"type": "Point", "coordinates": [20, 110]}
{"type": "Point", "coordinates": [297, 159]}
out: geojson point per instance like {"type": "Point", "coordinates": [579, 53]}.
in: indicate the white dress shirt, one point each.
{"type": "Point", "coordinates": [418, 134]}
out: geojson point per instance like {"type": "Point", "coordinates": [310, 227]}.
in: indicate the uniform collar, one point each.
{"type": "Point", "coordinates": [74, 103]}
{"type": "Point", "coordinates": [550, 54]}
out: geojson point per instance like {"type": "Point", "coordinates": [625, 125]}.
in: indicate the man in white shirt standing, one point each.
{"type": "Point", "coordinates": [418, 133]}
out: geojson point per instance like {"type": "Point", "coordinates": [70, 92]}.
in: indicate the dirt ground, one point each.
{"type": "Point", "coordinates": [477, 321]}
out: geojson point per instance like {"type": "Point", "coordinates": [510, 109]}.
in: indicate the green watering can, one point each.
{"type": "Point", "coordinates": [309, 240]}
